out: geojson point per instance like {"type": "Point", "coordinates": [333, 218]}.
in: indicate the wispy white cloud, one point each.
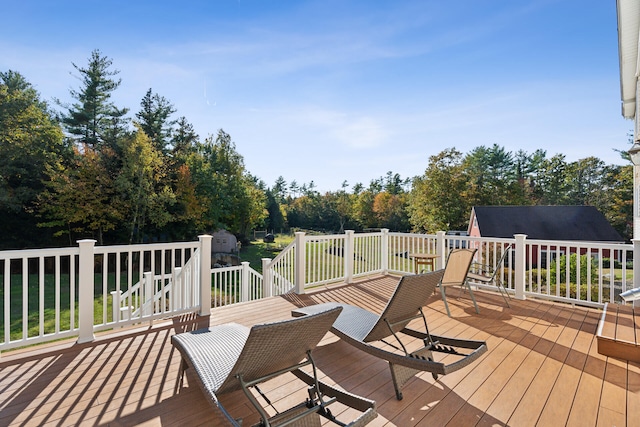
{"type": "Point", "coordinates": [341, 89]}
{"type": "Point", "coordinates": [363, 133]}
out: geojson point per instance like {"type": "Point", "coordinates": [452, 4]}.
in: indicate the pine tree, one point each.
{"type": "Point", "coordinates": [90, 118]}
{"type": "Point", "coordinates": [84, 197]}
{"type": "Point", "coordinates": [153, 119]}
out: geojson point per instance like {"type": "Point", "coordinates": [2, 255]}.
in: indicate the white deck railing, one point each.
{"type": "Point", "coordinates": [157, 295]}
{"type": "Point", "coordinates": [39, 295]}
{"type": "Point", "coordinates": [231, 285]}
{"type": "Point", "coordinates": [50, 294]}
{"type": "Point", "coordinates": [574, 272]}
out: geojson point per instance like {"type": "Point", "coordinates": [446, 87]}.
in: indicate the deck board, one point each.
{"type": "Point", "coordinates": [542, 368]}
{"type": "Point", "coordinates": [558, 406]}
{"type": "Point", "coordinates": [625, 330]}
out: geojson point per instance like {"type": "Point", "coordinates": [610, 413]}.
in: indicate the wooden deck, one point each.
{"type": "Point", "coordinates": [542, 368]}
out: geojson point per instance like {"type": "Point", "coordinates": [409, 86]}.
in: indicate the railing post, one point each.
{"type": "Point", "coordinates": [301, 258]}
{"type": "Point", "coordinates": [348, 255]}
{"type": "Point", "coordinates": [205, 274]}
{"type": "Point", "coordinates": [520, 262]}
{"type": "Point", "coordinates": [384, 250]}
{"type": "Point", "coordinates": [441, 250]}
{"type": "Point", "coordinates": [85, 290]}
{"type": "Point", "coordinates": [267, 278]}
{"type": "Point", "coordinates": [244, 282]}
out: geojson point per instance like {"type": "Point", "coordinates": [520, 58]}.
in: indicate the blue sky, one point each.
{"type": "Point", "coordinates": [331, 91]}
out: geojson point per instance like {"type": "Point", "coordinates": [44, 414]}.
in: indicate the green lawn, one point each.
{"type": "Point", "coordinates": [49, 304]}
{"type": "Point", "coordinates": [257, 249]}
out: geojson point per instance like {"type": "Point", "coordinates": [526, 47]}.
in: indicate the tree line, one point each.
{"type": "Point", "coordinates": [88, 169]}
{"type": "Point", "coordinates": [453, 182]}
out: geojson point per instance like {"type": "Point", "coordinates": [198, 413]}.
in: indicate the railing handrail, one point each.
{"type": "Point", "coordinates": [581, 243]}
{"type": "Point", "coordinates": [290, 247]}
{"type": "Point", "coordinates": [100, 250]}
{"type": "Point", "coordinates": [36, 253]}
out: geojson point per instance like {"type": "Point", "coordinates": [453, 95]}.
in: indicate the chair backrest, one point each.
{"type": "Point", "coordinates": [274, 347]}
{"type": "Point", "coordinates": [500, 262]}
{"type": "Point", "coordinates": [457, 267]}
{"type": "Point", "coordinates": [411, 293]}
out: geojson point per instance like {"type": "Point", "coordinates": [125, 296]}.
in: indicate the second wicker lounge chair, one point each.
{"type": "Point", "coordinates": [368, 331]}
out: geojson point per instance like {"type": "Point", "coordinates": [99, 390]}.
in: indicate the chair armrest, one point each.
{"type": "Point", "coordinates": [478, 268]}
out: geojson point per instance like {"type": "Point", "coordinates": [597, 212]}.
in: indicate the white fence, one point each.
{"type": "Point", "coordinates": [574, 272]}
{"type": "Point", "coordinates": [39, 295]}
{"type": "Point", "coordinates": [50, 294]}
{"type": "Point", "coordinates": [231, 285]}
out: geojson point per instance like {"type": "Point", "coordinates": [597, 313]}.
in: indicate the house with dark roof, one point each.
{"type": "Point", "coordinates": [568, 223]}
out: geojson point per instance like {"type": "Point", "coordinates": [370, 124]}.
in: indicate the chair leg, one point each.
{"type": "Point", "coordinates": [180, 380]}
{"type": "Point", "coordinates": [472, 297]}
{"type": "Point", "coordinates": [503, 291]}
{"type": "Point", "coordinates": [444, 298]}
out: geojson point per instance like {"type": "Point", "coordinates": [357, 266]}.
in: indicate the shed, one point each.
{"type": "Point", "coordinates": [224, 249]}
{"type": "Point", "coordinates": [567, 223]}
{"type": "Point", "coordinates": [224, 242]}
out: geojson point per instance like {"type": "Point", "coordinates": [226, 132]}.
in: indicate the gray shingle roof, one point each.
{"type": "Point", "coordinates": [582, 223]}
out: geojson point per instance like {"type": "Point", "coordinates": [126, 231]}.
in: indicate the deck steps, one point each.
{"type": "Point", "coordinates": [619, 332]}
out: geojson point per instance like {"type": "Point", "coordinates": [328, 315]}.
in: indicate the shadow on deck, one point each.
{"type": "Point", "coordinates": [542, 368]}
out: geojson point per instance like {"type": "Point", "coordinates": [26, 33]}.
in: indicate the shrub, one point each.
{"type": "Point", "coordinates": [535, 285]}
{"type": "Point", "coordinates": [561, 264]}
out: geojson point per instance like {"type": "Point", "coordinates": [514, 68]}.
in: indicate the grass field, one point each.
{"type": "Point", "coordinates": [257, 249]}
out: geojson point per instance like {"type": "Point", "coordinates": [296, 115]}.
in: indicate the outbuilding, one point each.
{"type": "Point", "coordinates": [567, 223]}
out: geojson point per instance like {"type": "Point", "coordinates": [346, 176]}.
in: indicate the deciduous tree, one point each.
{"type": "Point", "coordinates": [142, 181]}
{"type": "Point", "coordinates": [31, 143]}
{"type": "Point", "coordinates": [438, 198]}
{"type": "Point", "coordinates": [81, 199]}
{"type": "Point", "coordinates": [224, 188]}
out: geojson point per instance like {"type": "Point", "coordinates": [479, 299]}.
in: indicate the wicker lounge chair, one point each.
{"type": "Point", "coordinates": [230, 357]}
{"type": "Point", "coordinates": [368, 332]}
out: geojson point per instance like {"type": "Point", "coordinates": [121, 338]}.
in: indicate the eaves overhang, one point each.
{"type": "Point", "coordinates": [628, 36]}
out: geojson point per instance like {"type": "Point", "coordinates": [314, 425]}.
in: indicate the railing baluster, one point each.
{"type": "Point", "coordinates": [25, 298]}
{"type": "Point", "coordinates": [41, 287]}
{"type": "Point", "coordinates": [58, 274]}
{"type": "Point", "coordinates": [7, 299]}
